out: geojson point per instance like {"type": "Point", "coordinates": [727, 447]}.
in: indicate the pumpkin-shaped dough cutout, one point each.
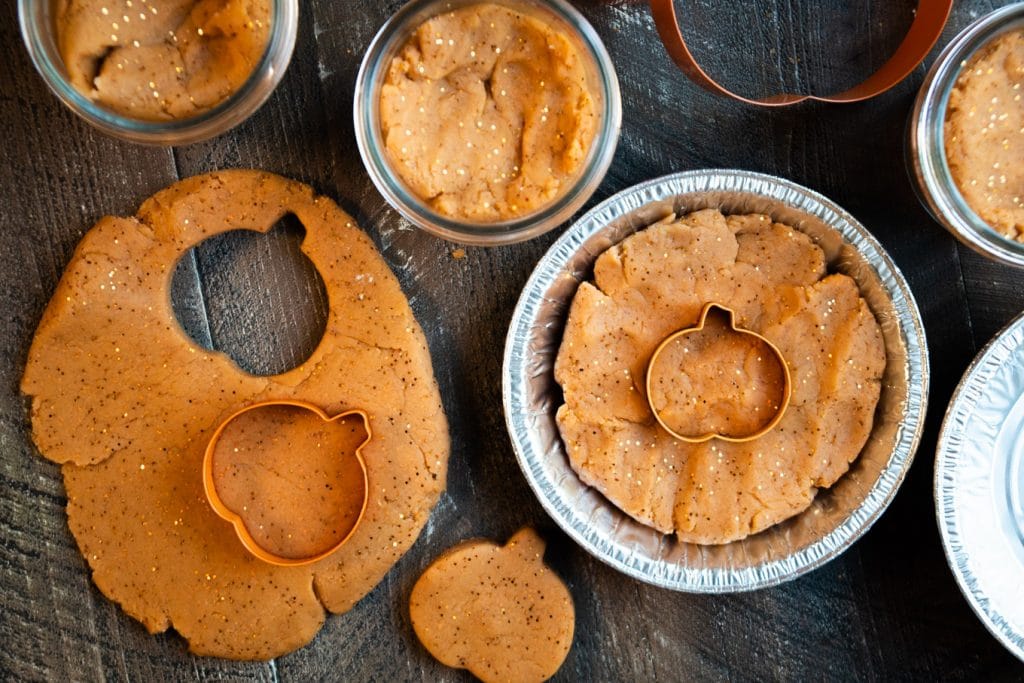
{"type": "Point", "coordinates": [717, 380]}
{"type": "Point", "coordinates": [289, 478]}
{"type": "Point", "coordinates": [497, 611]}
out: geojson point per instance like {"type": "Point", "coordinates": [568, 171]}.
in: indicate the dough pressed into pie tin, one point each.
{"type": "Point", "coordinates": [838, 516]}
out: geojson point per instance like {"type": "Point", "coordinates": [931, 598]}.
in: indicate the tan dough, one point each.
{"type": "Point", "coordinates": [497, 611]}
{"type": "Point", "coordinates": [487, 114]}
{"type": "Point", "coordinates": [655, 283]}
{"type": "Point", "coordinates": [161, 59]}
{"type": "Point", "coordinates": [984, 134]}
{"type": "Point", "coordinates": [127, 402]}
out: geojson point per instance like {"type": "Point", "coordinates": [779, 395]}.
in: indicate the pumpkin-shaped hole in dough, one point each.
{"type": "Point", "coordinates": [253, 296]}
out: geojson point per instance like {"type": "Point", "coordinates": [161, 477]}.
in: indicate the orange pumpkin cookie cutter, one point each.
{"type": "Point", "coordinates": [225, 512]}
{"type": "Point", "coordinates": [653, 370]}
{"type": "Point", "coordinates": [925, 30]}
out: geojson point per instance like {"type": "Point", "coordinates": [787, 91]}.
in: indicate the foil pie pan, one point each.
{"type": "Point", "coordinates": [979, 486]}
{"type": "Point", "coordinates": [838, 516]}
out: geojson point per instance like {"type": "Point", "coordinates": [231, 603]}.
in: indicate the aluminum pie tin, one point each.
{"type": "Point", "coordinates": [979, 486]}
{"type": "Point", "coordinates": [838, 516]}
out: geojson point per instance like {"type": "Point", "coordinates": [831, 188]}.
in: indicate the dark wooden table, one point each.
{"type": "Point", "coordinates": [888, 608]}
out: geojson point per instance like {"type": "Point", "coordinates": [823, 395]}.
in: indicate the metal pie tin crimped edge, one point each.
{"type": "Point", "coordinates": [979, 486]}
{"type": "Point", "coordinates": [838, 516]}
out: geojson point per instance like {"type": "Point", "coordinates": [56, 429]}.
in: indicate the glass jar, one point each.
{"type": "Point", "coordinates": [602, 82]}
{"type": "Point", "coordinates": [38, 31]}
{"type": "Point", "coordinates": [926, 150]}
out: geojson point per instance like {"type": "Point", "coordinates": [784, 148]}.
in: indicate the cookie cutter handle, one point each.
{"type": "Point", "coordinates": [928, 23]}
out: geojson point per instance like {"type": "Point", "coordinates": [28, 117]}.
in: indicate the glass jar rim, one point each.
{"type": "Point", "coordinates": [233, 110]}
{"type": "Point", "coordinates": [365, 106]}
{"type": "Point", "coordinates": [939, 191]}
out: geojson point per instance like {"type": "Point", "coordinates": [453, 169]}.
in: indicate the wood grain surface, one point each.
{"type": "Point", "coordinates": [888, 608]}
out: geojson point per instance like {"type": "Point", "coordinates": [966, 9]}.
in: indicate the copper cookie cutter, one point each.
{"type": "Point", "coordinates": [653, 373]}
{"type": "Point", "coordinates": [228, 514]}
{"type": "Point", "coordinates": [928, 23]}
